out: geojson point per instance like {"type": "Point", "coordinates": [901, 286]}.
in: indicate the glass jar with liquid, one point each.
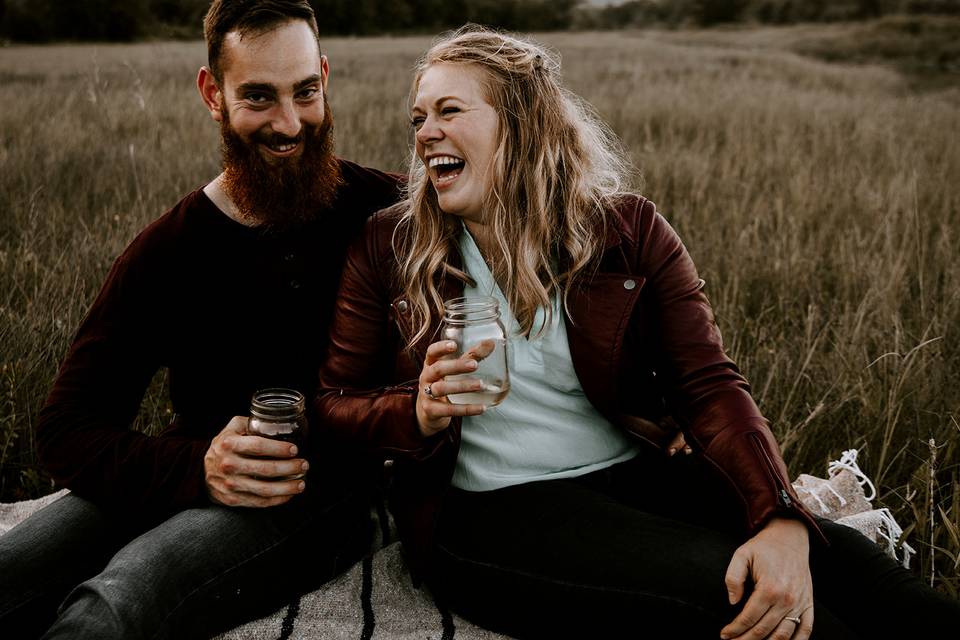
{"type": "Point", "coordinates": [280, 414]}
{"type": "Point", "coordinates": [474, 324]}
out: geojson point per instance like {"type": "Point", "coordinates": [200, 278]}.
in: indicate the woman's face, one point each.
{"type": "Point", "coordinates": [456, 130]}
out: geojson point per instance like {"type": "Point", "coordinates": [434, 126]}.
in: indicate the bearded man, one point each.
{"type": "Point", "coordinates": [199, 528]}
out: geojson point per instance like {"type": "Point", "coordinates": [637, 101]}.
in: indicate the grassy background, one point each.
{"type": "Point", "coordinates": [812, 172]}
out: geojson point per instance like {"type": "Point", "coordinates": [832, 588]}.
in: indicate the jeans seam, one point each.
{"type": "Point", "coordinates": [248, 559]}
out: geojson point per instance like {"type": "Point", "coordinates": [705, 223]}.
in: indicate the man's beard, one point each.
{"type": "Point", "coordinates": [283, 192]}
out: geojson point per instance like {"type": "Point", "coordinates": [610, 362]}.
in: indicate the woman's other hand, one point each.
{"type": "Point", "coordinates": [677, 443]}
{"type": "Point", "coordinates": [434, 409]}
{"type": "Point", "coordinates": [777, 560]}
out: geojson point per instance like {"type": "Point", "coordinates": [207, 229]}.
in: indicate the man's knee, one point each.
{"type": "Point", "coordinates": [109, 605]}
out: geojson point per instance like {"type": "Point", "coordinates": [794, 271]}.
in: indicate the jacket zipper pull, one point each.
{"type": "Point", "coordinates": [786, 498]}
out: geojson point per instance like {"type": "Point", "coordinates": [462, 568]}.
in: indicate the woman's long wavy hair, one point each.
{"type": "Point", "coordinates": [555, 169]}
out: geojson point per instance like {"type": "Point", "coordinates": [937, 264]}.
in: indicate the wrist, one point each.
{"type": "Point", "coordinates": [789, 526]}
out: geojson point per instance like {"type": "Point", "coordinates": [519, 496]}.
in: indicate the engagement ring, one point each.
{"type": "Point", "coordinates": [428, 392]}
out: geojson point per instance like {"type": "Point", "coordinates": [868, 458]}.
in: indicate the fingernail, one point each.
{"type": "Point", "coordinates": [472, 364]}
{"type": "Point", "coordinates": [451, 345]}
{"type": "Point", "coordinates": [671, 451]}
{"type": "Point", "coordinates": [301, 486]}
{"type": "Point", "coordinates": [293, 449]}
{"type": "Point", "coordinates": [688, 450]}
{"type": "Point", "coordinates": [305, 466]}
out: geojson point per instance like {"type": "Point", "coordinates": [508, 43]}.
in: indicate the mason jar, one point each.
{"type": "Point", "coordinates": [469, 322]}
{"type": "Point", "coordinates": [280, 414]}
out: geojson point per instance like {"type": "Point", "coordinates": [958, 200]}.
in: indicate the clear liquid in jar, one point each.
{"type": "Point", "coordinates": [493, 392]}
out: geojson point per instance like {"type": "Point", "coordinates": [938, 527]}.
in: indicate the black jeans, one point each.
{"type": "Point", "coordinates": [641, 550]}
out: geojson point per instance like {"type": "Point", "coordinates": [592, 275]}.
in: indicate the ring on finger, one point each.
{"type": "Point", "coordinates": [429, 392]}
{"type": "Point", "coordinates": [793, 619]}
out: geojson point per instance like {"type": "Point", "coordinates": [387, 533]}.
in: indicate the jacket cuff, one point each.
{"type": "Point", "coordinates": [759, 477]}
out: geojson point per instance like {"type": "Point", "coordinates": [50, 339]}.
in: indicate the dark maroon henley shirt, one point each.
{"type": "Point", "coordinates": [226, 309]}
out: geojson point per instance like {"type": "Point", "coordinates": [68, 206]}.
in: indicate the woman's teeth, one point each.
{"type": "Point", "coordinates": [447, 168]}
{"type": "Point", "coordinates": [442, 160]}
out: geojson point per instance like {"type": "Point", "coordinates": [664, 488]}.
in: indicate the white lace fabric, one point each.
{"type": "Point", "coordinates": [845, 497]}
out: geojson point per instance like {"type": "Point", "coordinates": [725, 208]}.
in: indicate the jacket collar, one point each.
{"type": "Point", "coordinates": [613, 238]}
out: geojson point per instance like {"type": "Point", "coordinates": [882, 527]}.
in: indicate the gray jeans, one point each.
{"type": "Point", "coordinates": [74, 570]}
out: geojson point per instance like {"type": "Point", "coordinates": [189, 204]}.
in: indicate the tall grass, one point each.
{"type": "Point", "coordinates": [819, 201]}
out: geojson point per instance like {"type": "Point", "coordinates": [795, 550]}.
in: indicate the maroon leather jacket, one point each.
{"type": "Point", "coordinates": [643, 341]}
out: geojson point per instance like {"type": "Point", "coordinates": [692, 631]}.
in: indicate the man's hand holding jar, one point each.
{"type": "Point", "coordinates": [259, 461]}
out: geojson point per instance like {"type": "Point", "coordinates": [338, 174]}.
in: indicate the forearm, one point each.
{"type": "Point", "coordinates": [382, 421]}
{"type": "Point", "coordinates": [115, 465]}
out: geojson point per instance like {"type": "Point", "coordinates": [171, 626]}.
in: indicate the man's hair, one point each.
{"type": "Point", "coordinates": [249, 17]}
{"type": "Point", "coordinates": [555, 172]}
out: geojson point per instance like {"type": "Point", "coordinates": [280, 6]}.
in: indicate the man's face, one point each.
{"type": "Point", "coordinates": [273, 86]}
{"type": "Point", "coordinates": [276, 127]}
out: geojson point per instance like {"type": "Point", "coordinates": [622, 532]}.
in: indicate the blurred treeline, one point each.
{"type": "Point", "coordinates": [125, 20]}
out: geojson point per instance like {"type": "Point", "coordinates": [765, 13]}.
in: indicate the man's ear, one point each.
{"type": "Point", "coordinates": [324, 72]}
{"type": "Point", "coordinates": [210, 93]}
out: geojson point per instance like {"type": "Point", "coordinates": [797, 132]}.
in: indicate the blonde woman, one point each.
{"type": "Point", "coordinates": [550, 515]}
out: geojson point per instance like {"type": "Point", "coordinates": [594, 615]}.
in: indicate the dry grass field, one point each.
{"type": "Point", "coordinates": [821, 201]}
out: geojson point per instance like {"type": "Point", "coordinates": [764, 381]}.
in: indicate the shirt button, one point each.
{"type": "Point", "coordinates": [629, 285]}
{"type": "Point", "coordinates": [294, 284]}
{"type": "Point", "coordinates": [402, 306]}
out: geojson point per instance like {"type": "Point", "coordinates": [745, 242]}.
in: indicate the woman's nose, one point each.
{"type": "Point", "coordinates": [429, 131]}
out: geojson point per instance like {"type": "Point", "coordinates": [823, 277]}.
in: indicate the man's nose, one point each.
{"type": "Point", "coordinates": [286, 120]}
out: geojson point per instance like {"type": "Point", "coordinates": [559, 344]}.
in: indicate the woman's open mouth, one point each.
{"type": "Point", "coordinates": [446, 169]}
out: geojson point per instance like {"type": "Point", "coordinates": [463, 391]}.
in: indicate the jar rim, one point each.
{"type": "Point", "coordinates": [464, 302]}
{"type": "Point", "coordinates": [471, 309]}
{"type": "Point", "coordinates": [277, 403]}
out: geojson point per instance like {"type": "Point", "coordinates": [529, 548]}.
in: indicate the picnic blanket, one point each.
{"type": "Point", "coordinates": [376, 599]}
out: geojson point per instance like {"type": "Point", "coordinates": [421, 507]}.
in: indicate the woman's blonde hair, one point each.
{"type": "Point", "coordinates": [554, 171]}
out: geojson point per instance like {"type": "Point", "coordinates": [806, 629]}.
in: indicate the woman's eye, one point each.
{"type": "Point", "coordinates": [449, 110]}
{"type": "Point", "coordinates": [416, 122]}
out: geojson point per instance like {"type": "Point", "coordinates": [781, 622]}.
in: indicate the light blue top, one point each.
{"type": "Point", "coordinates": [545, 428]}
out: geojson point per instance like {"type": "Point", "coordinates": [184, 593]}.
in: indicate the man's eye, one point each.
{"type": "Point", "coordinates": [257, 98]}
{"type": "Point", "coordinates": [308, 94]}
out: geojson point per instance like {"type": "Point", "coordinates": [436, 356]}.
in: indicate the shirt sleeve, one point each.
{"type": "Point", "coordinates": [363, 400]}
{"type": "Point", "coordinates": [84, 435]}
{"type": "Point", "coordinates": [708, 395]}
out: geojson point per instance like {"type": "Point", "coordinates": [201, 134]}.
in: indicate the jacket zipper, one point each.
{"type": "Point", "coordinates": [783, 497]}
